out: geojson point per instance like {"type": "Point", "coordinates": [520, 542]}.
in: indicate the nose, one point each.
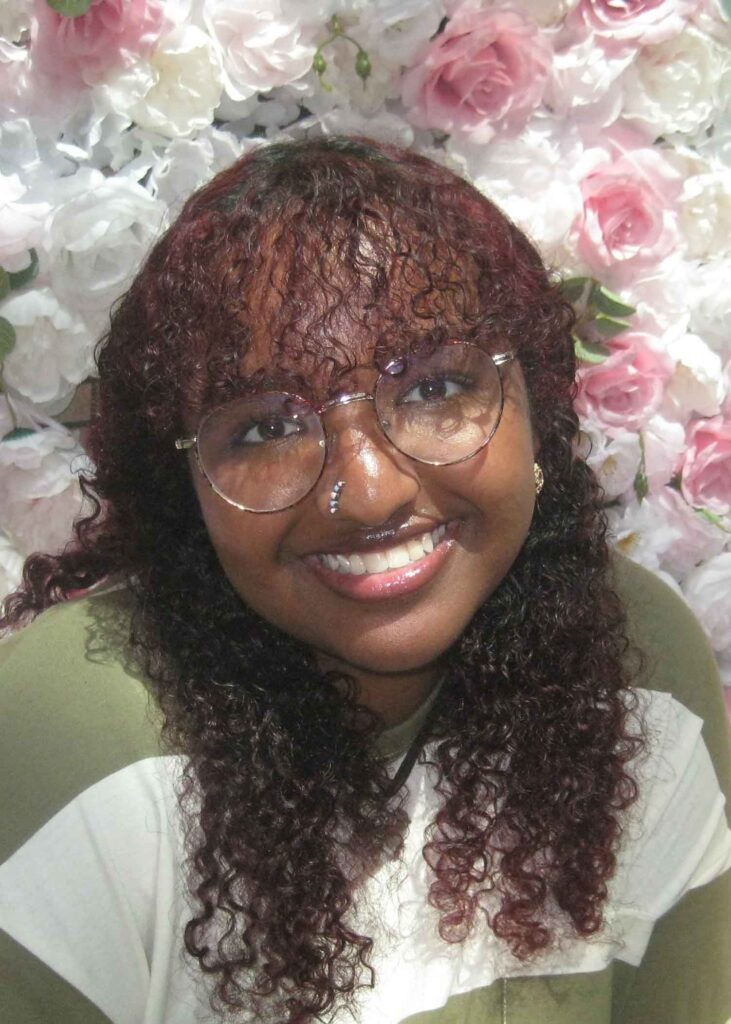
{"type": "Point", "coordinates": [377, 479]}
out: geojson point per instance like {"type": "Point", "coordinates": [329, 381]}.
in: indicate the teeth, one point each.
{"type": "Point", "coordinates": [370, 562]}
{"type": "Point", "coordinates": [375, 561]}
{"type": "Point", "coordinates": [357, 565]}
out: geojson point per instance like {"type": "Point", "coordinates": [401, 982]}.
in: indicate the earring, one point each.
{"type": "Point", "coordinates": [538, 477]}
{"type": "Point", "coordinates": [335, 497]}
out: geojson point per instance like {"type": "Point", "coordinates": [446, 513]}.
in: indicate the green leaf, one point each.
{"type": "Point", "coordinates": [4, 283]}
{"type": "Point", "coordinates": [7, 338]}
{"type": "Point", "coordinates": [20, 278]}
{"type": "Point", "coordinates": [70, 8]}
{"type": "Point", "coordinates": [714, 518]}
{"type": "Point", "coordinates": [573, 288]}
{"type": "Point", "coordinates": [18, 433]}
{"type": "Point", "coordinates": [589, 351]}
{"type": "Point", "coordinates": [641, 485]}
{"type": "Point", "coordinates": [608, 326]}
{"type": "Point", "coordinates": [607, 302]}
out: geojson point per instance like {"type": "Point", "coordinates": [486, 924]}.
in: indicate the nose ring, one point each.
{"type": "Point", "coordinates": [335, 497]}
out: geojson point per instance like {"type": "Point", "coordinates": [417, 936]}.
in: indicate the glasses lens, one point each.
{"type": "Point", "coordinates": [443, 407]}
{"type": "Point", "coordinates": [262, 452]}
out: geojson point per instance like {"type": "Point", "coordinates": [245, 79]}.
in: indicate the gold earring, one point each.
{"type": "Point", "coordinates": [538, 477]}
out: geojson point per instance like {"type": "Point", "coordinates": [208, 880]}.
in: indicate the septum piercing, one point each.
{"type": "Point", "coordinates": [335, 497]}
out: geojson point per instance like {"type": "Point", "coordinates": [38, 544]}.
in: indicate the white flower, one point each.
{"type": "Point", "coordinates": [548, 12]}
{"type": "Point", "coordinates": [660, 296]}
{"type": "Point", "coordinates": [11, 567]}
{"type": "Point", "coordinates": [529, 177]}
{"type": "Point", "coordinates": [676, 85]}
{"type": "Point", "coordinates": [54, 350]}
{"type": "Point", "coordinates": [641, 531]}
{"type": "Point", "coordinates": [708, 297]}
{"type": "Point", "coordinates": [705, 213]}
{"type": "Point", "coordinates": [615, 460]}
{"type": "Point", "coordinates": [21, 221]}
{"type": "Point", "coordinates": [185, 164]}
{"type": "Point", "coordinates": [664, 533]}
{"type": "Point", "coordinates": [664, 443]}
{"type": "Point", "coordinates": [707, 591]}
{"type": "Point", "coordinates": [697, 383]}
{"type": "Point", "coordinates": [259, 45]}
{"type": "Point", "coordinates": [583, 81]}
{"type": "Point", "coordinates": [393, 31]}
{"type": "Point", "coordinates": [39, 491]}
{"type": "Point", "coordinates": [15, 19]}
{"type": "Point", "coordinates": [177, 91]}
{"type": "Point", "coordinates": [97, 239]}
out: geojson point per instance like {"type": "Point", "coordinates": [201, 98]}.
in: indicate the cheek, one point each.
{"type": "Point", "coordinates": [246, 544]}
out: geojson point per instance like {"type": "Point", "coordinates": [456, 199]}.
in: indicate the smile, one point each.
{"type": "Point", "coordinates": [396, 557]}
{"type": "Point", "coordinates": [389, 572]}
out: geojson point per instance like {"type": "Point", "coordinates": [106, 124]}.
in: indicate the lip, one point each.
{"type": "Point", "coordinates": [392, 583]}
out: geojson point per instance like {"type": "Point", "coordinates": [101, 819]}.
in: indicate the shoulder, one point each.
{"type": "Point", "coordinates": [73, 710]}
{"type": "Point", "coordinates": [679, 659]}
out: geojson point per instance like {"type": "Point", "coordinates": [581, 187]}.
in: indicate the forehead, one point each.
{"type": "Point", "coordinates": [321, 308]}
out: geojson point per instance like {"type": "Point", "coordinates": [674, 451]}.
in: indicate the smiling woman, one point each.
{"type": "Point", "coordinates": [409, 754]}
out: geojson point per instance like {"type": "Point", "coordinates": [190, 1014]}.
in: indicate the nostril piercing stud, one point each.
{"type": "Point", "coordinates": [335, 497]}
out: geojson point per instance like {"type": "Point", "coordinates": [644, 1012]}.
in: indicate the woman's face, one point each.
{"type": "Point", "coordinates": [402, 619]}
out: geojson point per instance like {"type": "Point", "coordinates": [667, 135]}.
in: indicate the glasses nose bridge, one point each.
{"type": "Point", "coordinates": [334, 433]}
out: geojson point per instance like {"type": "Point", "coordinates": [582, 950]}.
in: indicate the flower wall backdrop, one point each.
{"type": "Point", "coordinates": [603, 128]}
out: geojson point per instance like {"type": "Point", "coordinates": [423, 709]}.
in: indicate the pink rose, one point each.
{"type": "Point", "coordinates": [630, 211]}
{"type": "Point", "coordinates": [112, 34]}
{"type": "Point", "coordinates": [706, 471]}
{"type": "Point", "coordinates": [487, 70]}
{"type": "Point", "coordinates": [635, 22]}
{"type": "Point", "coordinates": [625, 390]}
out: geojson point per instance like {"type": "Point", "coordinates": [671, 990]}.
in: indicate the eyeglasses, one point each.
{"type": "Point", "coordinates": [266, 452]}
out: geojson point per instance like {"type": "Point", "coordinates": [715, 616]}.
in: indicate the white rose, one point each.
{"type": "Point", "coordinates": [641, 531]}
{"type": "Point", "coordinates": [384, 126]}
{"type": "Point", "coordinates": [54, 350]}
{"type": "Point", "coordinates": [695, 538]}
{"type": "Point", "coordinates": [259, 45]}
{"type": "Point", "coordinates": [708, 296]}
{"type": "Point", "coordinates": [11, 567]}
{"type": "Point", "coordinates": [96, 241]}
{"type": "Point", "coordinates": [548, 12]}
{"type": "Point", "coordinates": [707, 591]}
{"type": "Point", "coordinates": [660, 298]}
{"type": "Point", "coordinates": [177, 91]}
{"type": "Point", "coordinates": [185, 164]}
{"type": "Point", "coordinates": [705, 213]}
{"type": "Point", "coordinates": [529, 178]}
{"type": "Point", "coordinates": [582, 82]}
{"type": "Point", "coordinates": [615, 460]}
{"type": "Point", "coordinates": [21, 221]}
{"type": "Point", "coordinates": [393, 31]}
{"type": "Point", "coordinates": [15, 19]}
{"type": "Point", "coordinates": [39, 491]}
{"type": "Point", "coordinates": [664, 443]}
{"type": "Point", "coordinates": [697, 384]}
{"type": "Point", "coordinates": [676, 85]}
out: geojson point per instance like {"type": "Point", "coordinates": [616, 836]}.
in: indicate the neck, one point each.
{"type": "Point", "coordinates": [393, 696]}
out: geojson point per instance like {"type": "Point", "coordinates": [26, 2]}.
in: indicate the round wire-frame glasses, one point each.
{"type": "Point", "coordinates": [392, 372]}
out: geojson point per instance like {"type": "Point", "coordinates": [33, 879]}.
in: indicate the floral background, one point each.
{"type": "Point", "coordinates": [602, 127]}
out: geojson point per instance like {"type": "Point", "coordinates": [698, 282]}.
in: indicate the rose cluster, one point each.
{"type": "Point", "coordinates": [602, 129]}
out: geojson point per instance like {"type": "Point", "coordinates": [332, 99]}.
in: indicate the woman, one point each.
{"type": "Point", "coordinates": [415, 760]}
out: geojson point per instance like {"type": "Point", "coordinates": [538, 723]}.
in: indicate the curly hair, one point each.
{"type": "Point", "coordinates": [336, 250]}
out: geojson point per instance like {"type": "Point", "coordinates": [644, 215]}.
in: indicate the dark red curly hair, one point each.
{"type": "Point", "coordinates": [533, 730]}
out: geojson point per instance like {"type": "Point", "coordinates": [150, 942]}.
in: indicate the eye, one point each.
{"type": "Point", "coordinates": [435, 389]}
{"type": "Point", "coordinates": [268, 430]}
